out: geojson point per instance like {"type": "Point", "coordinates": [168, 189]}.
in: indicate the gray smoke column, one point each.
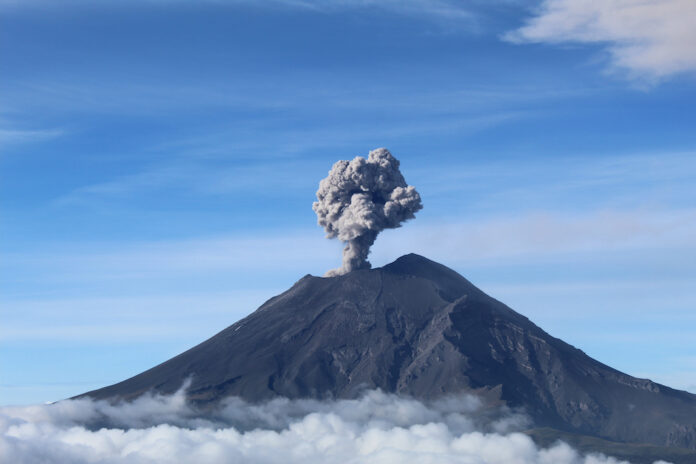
{"type": "Point", "coordinates": [361, 198]}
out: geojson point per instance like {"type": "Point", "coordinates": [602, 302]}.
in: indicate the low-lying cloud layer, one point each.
{"type": "Point", "coordinates": [376, 428]}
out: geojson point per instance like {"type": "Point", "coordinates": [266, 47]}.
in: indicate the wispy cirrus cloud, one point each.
{"type": "Point", "coordinates": [544, 235]}
{"type": "Point", "coordinates": [197, 178]}
{"type": "Point", "coordinates": [528, 236]}
{"type": "Point", "coordinates": [140, 318]}
{"type": "Point", "coordinates": [440, 9]}
{"type": "Point", "coordinates": [18, 136]}
{"type": "Point", "coordinates": [228, 162]}
{"type": "Point", "coordinates": [649, 39]}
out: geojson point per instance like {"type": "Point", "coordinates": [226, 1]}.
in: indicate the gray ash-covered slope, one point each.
{"type": "Point", "coordinates": [416, 327]}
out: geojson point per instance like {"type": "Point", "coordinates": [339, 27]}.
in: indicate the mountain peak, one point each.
{"type": "Point", "coordinates": [418, 328]}
{"type": "Point", "coordinates": [411, 262]}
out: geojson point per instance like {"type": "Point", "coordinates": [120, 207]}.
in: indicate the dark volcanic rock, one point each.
{"type": "Point", "coordinates": [416, 327]}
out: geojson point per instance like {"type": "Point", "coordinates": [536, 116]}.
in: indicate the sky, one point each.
{"type": "Point", "coordinates": [159, 160]}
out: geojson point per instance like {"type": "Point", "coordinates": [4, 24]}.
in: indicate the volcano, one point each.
{"type": "Point", "coordinates": [417, 328]}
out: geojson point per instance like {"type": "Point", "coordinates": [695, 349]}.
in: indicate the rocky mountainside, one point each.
{"type": "Point", "coordinates": [416, 327]}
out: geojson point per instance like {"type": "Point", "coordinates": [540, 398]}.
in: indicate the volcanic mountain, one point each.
{"type": "Point", "coordinates": [417, 328]}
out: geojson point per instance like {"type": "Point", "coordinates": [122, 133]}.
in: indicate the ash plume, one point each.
{"type": "Point", "coordinates": [361, 198]}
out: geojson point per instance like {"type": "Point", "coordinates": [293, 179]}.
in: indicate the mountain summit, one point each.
{"type": "Point", "coordinates": [416, 327]}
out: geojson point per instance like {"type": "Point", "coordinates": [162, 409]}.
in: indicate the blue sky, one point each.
{"type": "Point", "coordinates": [158, 161]}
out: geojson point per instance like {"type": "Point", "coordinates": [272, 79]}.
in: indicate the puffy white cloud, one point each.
{"type": "Point", "coordinates": [651, 39]}
{"type": "Point", "coordinates": [376, 428]}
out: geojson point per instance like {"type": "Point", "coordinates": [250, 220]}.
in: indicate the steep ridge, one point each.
{"type": "Point", "coordinates": [416, 327]}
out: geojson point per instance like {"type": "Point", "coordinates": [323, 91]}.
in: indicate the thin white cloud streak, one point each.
{"type": "Point", "coordinates": [107, 96]}
{"type": "Point", "coordinates": [186, 265]}
{"type": "Point", "coordinates": [263, 93]}
{"type": "Point", "coordinates": [479, 98]}
{"type": "Point", "coordinates": [17, 136]}
{"type": "Point", "coordinates": [377, 428]}
{"type": "Point", "coordinates": [651, 39]}
{"type": "Point", "coordinates": [533, 235]}
{"type": "Point", "coordinates": [659, 177]}
{"type": "Point", "coordinates": [104, 332]}
{"type": "Point", "coordinates": [262, 252]}
{"type": "Point", "coordinates": [441, 10]}
{"type": "Point", "coordinates": [545, 234]}
{"type": "Point", "coordinates": [193, 172]}
{"type": "Point", "coordinates": [613, 299]}
{"type": "Point", "coordinates": [641, 173]}
{"type": "Point", "coordinates": [208, 303]}
{"type": "Point", "coordinates": [115, 319]}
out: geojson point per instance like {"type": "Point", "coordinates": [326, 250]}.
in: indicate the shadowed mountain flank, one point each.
{"type": "Point", "coordinates": [417, 328]}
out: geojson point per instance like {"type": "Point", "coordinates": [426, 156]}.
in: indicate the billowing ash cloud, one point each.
{"type": "Point", "coordinates": [361, 198]}
{"type": "Point", "coordinates": [376, 428]}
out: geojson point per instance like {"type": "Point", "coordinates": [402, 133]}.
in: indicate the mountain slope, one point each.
{"type": "Point", "coordinates": [416, 327]}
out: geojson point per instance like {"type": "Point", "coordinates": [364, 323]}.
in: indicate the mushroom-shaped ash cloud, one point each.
{"type": "Point", "coordinates": [361, 198]}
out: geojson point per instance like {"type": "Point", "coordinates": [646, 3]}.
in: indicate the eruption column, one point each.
{"type": "Point", "coordinates": [361, 198]}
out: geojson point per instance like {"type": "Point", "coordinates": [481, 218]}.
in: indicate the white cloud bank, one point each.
{"type": "Point", "coordinates": [377, 428]}
{"type": "Point", "coordinates": [651, 39]}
